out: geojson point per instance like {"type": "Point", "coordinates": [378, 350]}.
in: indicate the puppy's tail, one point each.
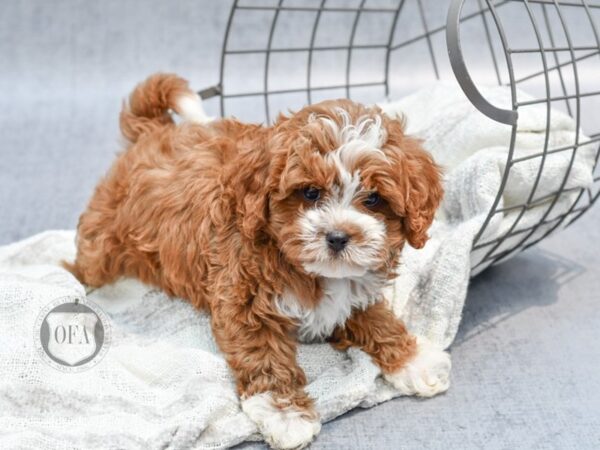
{"type": "Point", "coordinates": [151, 102]}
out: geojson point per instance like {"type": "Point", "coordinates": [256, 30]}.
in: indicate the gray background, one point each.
{"type": "Point", "coordinates": [527, 358]}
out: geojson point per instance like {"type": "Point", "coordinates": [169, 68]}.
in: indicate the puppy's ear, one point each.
{"type": "Point", "coordinates": [251, 189]}
{"type": "Point", "coordinates": [264, 167]}
{"type": "Point", "coordinates": [254, 213]}
{"type": "Point", "coordinates": [423, 192]}
{"type": "Point", "coordinates": [253, 207]}
{"type": "Point", "coordinates": [418, 184]}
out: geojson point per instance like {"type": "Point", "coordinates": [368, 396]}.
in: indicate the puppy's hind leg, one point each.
{"type": "Point", "coordinates": [90, 274]}
{"type": "Point", "coordinates": [98, 258]}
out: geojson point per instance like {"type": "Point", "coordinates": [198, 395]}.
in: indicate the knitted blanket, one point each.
{"type": "Point", "coordinates": [162, 382]}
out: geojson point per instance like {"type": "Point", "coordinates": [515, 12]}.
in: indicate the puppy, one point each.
{"type": "Point", "coordinates": [285, 233]}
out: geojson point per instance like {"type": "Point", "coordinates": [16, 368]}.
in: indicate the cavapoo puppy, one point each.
{"type": "Point", "coordinates": [285, 233]}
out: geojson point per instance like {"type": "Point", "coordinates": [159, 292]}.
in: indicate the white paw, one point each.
{"type": "Point", "coordinates": [282, 428]}
{"type": "Point", "coordinates": [426, 375]}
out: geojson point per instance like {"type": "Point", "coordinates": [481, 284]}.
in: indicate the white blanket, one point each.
{"type": "Point", "coordinates": [164, 383]}
{"type": "Point", "coordinates": [432, 284]}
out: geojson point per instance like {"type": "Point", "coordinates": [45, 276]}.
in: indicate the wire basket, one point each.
{"type": "Point", "coordinates": [283, 54]}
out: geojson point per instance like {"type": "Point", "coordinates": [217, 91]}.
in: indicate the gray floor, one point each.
{"type": "Point", "coordinates": [527, 358]}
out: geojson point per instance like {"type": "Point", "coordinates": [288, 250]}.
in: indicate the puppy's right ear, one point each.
{"type": "Point", "coordinates": [254, 213]}
{"type": "Point", "coordinates": [255, 188]}
{"type": "Point", "coordinates": [266, 165]}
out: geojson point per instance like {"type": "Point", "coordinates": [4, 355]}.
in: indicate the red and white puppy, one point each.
{"type": "Point", "coordinates": [285, 233]}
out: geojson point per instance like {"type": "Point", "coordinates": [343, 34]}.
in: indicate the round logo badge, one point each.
{"type": "Point", "coordinates": [72, 334]}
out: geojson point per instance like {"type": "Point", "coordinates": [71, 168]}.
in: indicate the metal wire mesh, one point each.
{"type": "Point", "coordinates": [280, 54]}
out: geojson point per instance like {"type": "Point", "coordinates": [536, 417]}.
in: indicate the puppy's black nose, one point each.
{"type": "Point", "coordinates": [337, 240]}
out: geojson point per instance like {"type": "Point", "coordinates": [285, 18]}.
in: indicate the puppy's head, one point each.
{"type": "Point", "coordinates": [347, 189]}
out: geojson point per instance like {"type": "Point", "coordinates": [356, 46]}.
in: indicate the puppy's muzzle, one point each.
{"type": "Point", "coordinates": [337, 240]}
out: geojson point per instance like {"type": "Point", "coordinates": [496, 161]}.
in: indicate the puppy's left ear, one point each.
{"type": "Point", "coordinates": [422, 190]}
{"type": "Point", "coordinates": [414, 182]}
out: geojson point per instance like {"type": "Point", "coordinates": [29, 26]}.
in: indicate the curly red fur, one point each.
{"type": "Point", "coordinates": [379, 334]}
{"type": "Point", "coordinates": [207, 213]}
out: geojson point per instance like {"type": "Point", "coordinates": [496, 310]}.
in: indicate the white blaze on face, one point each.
{"type": "Point", "coordinates": [337, 212]}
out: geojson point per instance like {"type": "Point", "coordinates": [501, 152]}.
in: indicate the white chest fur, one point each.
{"type": "Point", "coordinates": [340, 297]}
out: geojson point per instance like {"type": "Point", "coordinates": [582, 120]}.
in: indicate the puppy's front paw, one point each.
{"type": "Point", "coordinates": [426, 375]}
{"type": "Point", "coordinates": [284, 427]}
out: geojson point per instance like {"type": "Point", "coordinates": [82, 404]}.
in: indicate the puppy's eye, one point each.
{"type": "Point", "coordinates": [312, 194]}
{"type": "Point", "coordinates": [372, 200]}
